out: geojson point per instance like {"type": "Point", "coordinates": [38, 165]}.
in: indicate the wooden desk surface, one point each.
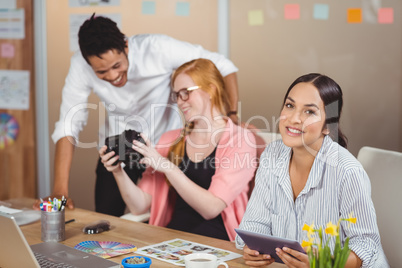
{"type": "Point", "coordinates": [123, 231]}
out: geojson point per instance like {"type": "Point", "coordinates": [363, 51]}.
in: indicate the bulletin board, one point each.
{"type": "Point", "coordinates": [357, 43]}
{"type": "Point", "coordinates": [188, 20]}
{"type": "Point", "coordinates": [17, 101]}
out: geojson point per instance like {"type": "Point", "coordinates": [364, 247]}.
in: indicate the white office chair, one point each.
{"type": "Point", "coordinates": [384, 169]}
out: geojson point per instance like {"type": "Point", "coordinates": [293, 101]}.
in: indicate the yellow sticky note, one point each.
{"type": "Point", "coordinates": [255, 17]}
{"type": "Point", "coordinates": [355, 15]}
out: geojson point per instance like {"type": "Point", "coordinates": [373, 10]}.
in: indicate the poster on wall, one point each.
{"type": "Point", "coordinates": [12, 24]}
{"type": "Point", "coordinates": [83, 3]}
{"type": "Point", "coordinates": [14, 90]}
{"type": "Point", "coordinates": [8, 4]}
{"type": "Point", "coordinates": [76, 20]}
{"type": "Point", "coordinates": [9, 129]}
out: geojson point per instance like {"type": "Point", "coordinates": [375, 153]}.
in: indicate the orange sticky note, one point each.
{"type": "Point", "coordinates": [292, 11]}
{"type": "Point", "coordinates": [386, 15]}
{"type": "Point", "coordinates": [355, 15]}
{"type": "Point", "coordinates": [255, 17]}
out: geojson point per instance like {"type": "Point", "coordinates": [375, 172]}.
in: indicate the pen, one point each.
{"type": "Point", "coordinates": [72, 220]}
{"type": "Point", "coordinates": [63, 204]}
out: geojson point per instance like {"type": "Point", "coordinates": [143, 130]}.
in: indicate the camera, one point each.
{"type": "Point", "coordinates": [121, 145]}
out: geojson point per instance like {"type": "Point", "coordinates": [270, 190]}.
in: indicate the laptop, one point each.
{"type": "Point", "coordinates": [15, 251]}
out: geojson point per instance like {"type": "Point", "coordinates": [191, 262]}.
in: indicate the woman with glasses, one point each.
{"type": "Point", "coordinates": [198, 176]}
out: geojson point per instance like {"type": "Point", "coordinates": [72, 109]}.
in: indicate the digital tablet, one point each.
{"type": "Point", "coordinates": [266, 244]}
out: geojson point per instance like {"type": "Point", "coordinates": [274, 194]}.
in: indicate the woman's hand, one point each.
{"type": "Point", "coordinates": [151, 156]}
{"type": "Point", "coordinates": [109, 159]}
{"type": "Point", "coordinates": [253, 258]}
{"type": "Point", "coordinates": [301, 261]}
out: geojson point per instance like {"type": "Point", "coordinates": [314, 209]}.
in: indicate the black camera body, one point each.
{"type": "Point", "coordinates": [122, 146]}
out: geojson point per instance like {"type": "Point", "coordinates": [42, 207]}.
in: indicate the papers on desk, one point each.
{"type": "Point", "coordinates": [22, 217]}
{"type": "Point", "coordinates": [9, 210]}
{"type": "Point", "coordinates": [174, 251]}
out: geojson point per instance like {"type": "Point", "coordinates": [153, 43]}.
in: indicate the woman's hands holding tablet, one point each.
{"type": "Point", "coordinates": [253, 258]}
{"type": "Point", "coordinates": [290, 260]}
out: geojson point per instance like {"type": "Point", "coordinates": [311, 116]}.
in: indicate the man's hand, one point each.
{"type": "Point", "coordinates": [253, 258]}
{"type": "Point", "coordinates": [234, 118]}
{"type": "Point", "coordinates": [69, 204]}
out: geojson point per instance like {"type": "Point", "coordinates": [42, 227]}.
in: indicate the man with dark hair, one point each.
{"type": "Point", "coordinates": [131, 76]}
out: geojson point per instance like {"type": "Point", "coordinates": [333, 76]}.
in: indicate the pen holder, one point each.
{"type": "Point", "coordinates": [53, 226]}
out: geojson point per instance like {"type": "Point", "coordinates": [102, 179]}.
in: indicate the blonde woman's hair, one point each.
{"type": "Point", "coordinates": [205, 75]}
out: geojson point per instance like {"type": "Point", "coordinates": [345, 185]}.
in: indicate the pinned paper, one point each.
{"type": "Point", "coordinates": [9, 132]}
{"type": "Point", "coordinates": [12, 23]}
{"type": "Point", "coordinates": [255, 17]}
{"type": "Point", "coordinates": [7, 50]}
{"type": "Point", "coordinates": [148, 7]}
{"type": "Point", "coordinates": [355, 15]}
{"type": "Point", "coordinates": [8, 4]}
{"type": "Point", "coordinates": [82, 3]}
{"type": "Point", "coordinates": [182, 9]}
{"type": "Point", "coordinates": [386, 15]}
{"type": "Point", "coordinates": [321, 11]}
{"type": "Point", "coordinates": [14, 89]}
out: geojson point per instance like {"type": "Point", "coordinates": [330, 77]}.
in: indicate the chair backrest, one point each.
{"type": "Point", "coordinates": [384, 169]}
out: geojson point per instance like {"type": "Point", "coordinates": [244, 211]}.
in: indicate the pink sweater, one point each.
{"type": "Point", "coordinates": [235, 161]}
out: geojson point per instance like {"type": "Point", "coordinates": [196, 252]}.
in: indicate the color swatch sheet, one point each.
{"type": "Point", "coordinates": [105, 249]}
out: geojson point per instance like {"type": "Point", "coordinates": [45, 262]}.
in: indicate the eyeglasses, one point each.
{"type": "Point", "coordinates": [183, 93]}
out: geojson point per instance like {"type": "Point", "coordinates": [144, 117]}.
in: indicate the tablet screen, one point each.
{"type": "Point", "coordinates": [267, 244]}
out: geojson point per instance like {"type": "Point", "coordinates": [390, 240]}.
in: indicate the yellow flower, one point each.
{"type": "Point", "coordinates": [331, 229]}
{"type": "Point", "coordinates": [309, 229]}
{"type": "Point", "coordinates": [308, 244]}
{"type": "Point", "coordinates": [350, 219]}
{"type": "Point", "coordinates": [305, 244]}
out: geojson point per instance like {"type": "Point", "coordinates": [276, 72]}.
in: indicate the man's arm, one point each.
{"type": "Point", "coordinates": [62, 164]}
{"type": "Point", "coordinates": [233, 92]}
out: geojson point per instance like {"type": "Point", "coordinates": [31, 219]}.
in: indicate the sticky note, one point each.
{"type": "Point", "coordinates": [7, 50]}
{"type": "Point", "coordinates": [148, 7]}
{"type": "Point", "coordinates": [255, 17]}
{"type": "Point", "coordinates": [182, 9]}
{"type": "Point", "coordinates": [321, 11]}
{"type": "Point", "coordinates": [292, 11]}
{"type": "Point", "coordinates": [386, 15]}
{"type": "Point", "coordinates": [355, 15]}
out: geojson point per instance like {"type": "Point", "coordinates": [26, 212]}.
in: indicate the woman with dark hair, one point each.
{"type": "Point", "coordinates": [198, 176]}
{"type": "Point", "coordinates": [309, 177]}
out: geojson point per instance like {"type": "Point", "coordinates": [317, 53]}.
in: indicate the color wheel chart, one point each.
{"type": "Point", "coordinates": [9, 129]}
{"type": "Point", "coordinates": [105, 249]}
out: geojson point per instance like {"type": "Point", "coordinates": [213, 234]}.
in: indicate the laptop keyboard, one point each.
{"type": "Point", "coordinates": [46, 263]}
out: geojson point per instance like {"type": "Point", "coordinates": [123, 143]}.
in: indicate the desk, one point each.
{"type": "Point", "coordinates": [123, 231]}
